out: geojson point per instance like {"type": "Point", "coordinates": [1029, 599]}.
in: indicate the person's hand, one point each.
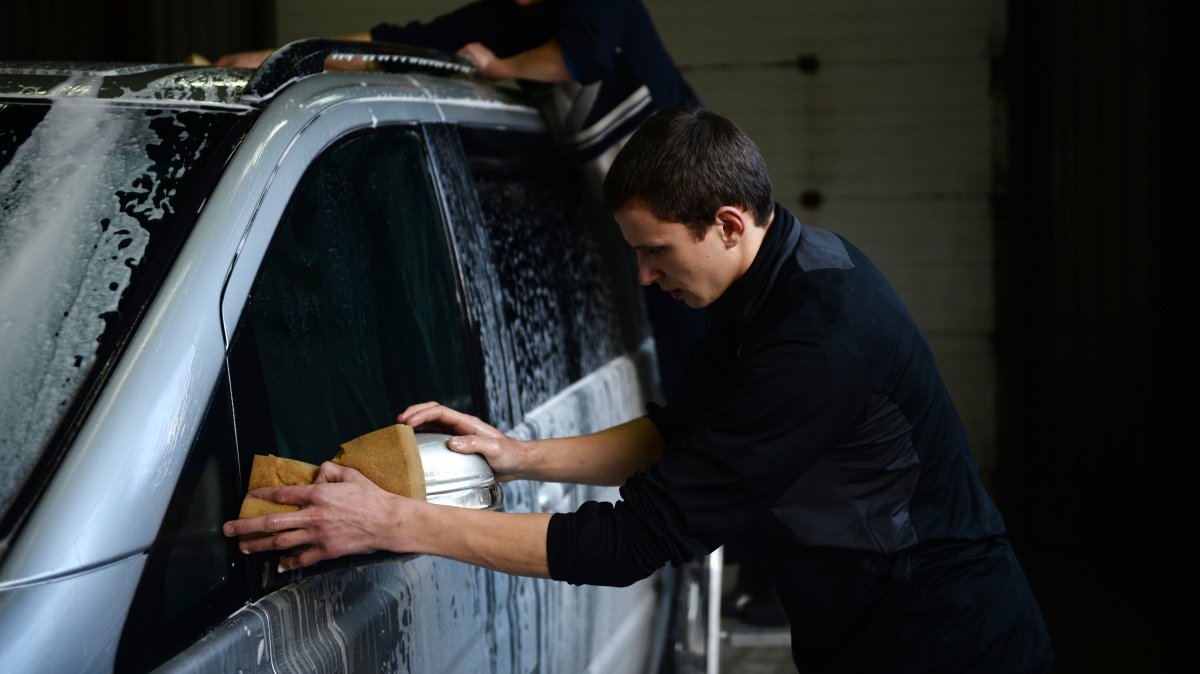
{"type": "Point", "coordinates": [485, 59]}
{"type": "Point", "coordinates": [510, 459]}
{"type": "Point", "coordinates": [245, 59]}
{"type": "Point", "coordinates": [342, 513]}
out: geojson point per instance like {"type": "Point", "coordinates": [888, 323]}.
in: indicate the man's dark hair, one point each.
{"type": "Point", "coordinates": [684, 164]}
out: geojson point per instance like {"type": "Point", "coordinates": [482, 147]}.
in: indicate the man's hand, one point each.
{"type": "Point", "coordinates": [510, 459]}
{"type": "Point", "coordinates": [540, 64]}
{"type": "Point", "coordinates": [245, 59]}
{"type": "Point", "coordinates": [342, 513]}
{"type": "Point", "coordinates": [485, 59]}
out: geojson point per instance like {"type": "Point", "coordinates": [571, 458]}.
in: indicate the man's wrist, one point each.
{"type": "Point", "coordinates": [531, 460]}
{"type": "Point", "coordinates": [406, 531]}
{"type": "Point", "coordinates": [502, 69]}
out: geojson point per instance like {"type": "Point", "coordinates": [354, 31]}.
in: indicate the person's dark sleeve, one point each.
{"type": "Point", "coordinates": [787, 403]}
{"type": "Point", "coordinates": [449, 32]}
{"type": "Point", "coordinates": [590, 34]}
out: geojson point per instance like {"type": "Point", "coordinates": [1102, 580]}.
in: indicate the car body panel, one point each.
{"type": "Point", "coordinates": [71, 624]}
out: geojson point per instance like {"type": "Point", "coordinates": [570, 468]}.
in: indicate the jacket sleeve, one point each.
{"type": "Point", "coordinates": [591, 32]}
{"type": "Point", "coordinates": [448, 32]}
{"type": "Point", "coordinates": [784, 405]}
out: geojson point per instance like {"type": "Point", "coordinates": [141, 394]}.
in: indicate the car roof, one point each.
{"type": "Point", "coordinates": [173, 84]}
{"type": "Point", "coordinates": [160, 84]}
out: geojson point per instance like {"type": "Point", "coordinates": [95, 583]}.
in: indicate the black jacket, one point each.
{"type": "Point", "coordinates": [610, 46]}
{"type": "Point", "coordinates": [812, 414]}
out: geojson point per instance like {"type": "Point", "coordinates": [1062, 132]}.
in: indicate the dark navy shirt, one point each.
{"type": "Point", "coordinates": [812, 414]}
{"type": "Point", "coordinates": [622, 72]}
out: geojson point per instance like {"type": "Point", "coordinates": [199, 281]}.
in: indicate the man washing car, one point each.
{"type": "Point", "coordinates": [811, 414]}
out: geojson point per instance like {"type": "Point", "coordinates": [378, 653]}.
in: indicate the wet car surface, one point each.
{"type": "Point", "coordinates": [228, 263]}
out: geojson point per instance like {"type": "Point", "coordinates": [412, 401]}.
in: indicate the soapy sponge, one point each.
{"type": "Point", "coordinates": [388, 457]}
{"type": "Point", "coordinates": [274, 471]}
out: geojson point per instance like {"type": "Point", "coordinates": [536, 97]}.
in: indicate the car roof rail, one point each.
{"type": "Point", "coordinates": [307, 57]}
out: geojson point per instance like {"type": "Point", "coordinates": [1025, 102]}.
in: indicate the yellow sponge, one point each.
{"type": "Point", "coordinates": [388, 457]}
{"type": "Point", "coordinates": [274, 471]}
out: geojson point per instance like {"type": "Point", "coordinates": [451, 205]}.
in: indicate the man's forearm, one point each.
{"type": "Point", "coordinates": [606, 458]}
{"type": "Point", "coordinates": [540, 64]}
{"type": "Point", "coordinates": [512, 543]}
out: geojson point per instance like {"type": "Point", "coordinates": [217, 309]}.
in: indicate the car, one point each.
{"type": "Point", "coordinates": [201, 264]}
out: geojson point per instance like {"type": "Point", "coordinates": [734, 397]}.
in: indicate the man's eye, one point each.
{"type": "Point", "coordinates": [655, 251]}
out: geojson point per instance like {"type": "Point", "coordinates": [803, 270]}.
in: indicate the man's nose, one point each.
{"type": "Point", "coordinates": [648, 274]}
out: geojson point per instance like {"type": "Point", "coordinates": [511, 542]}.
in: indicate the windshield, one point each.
{"type": "Point", "coordinates": [87, 191]}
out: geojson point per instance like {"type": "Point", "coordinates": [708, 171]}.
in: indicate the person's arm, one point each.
{"type": "Point", "coordinates": [540, 64]}
{"type": "Point", "coordinates": [606, 458]}
{"type": "Point", "coordinates": [344, 513]}
{"type": "Point", "coordinates": [739, 439]}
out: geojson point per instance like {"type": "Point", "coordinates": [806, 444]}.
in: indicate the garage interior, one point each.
{"type": "Point", "coordinates": [1024, 173]}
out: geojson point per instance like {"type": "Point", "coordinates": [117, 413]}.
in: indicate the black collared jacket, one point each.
{"type": "Point", "coordinates": [813, 415]}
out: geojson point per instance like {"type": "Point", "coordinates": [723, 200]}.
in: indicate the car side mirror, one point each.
{"type": "Point", "coordinates": [451, 479]}
{"type": "Point", "coordinates": [454, 479]}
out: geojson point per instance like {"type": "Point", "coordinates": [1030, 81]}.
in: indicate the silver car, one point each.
{"type": "Point", "coordinates": [198, 265]}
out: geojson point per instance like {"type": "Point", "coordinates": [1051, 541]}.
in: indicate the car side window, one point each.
{"type": "Point", "coordinates": [565, 272]}
{"type": "Point", "coordinates": [194, 577]}
{"type": "Point", "coordinates": [355, 314]}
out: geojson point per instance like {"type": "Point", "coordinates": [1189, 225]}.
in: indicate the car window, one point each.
{"type": "Point", "coordinates": [88, 195]}
{"type": "Point", "coordinates": [355, 313]}
{"type": "Point", "coordinates": [194, 576]}
{"type": "Point", "coordinates": [565, 273]}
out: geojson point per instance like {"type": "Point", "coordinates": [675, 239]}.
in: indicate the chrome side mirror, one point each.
{"type": "Point", "coordinates": [454, 479]}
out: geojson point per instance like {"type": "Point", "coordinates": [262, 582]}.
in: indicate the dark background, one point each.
{"type": "Point", "coordinates": [1097, 239]}
{"type": "Point", "coordinates": [1098, 244]}
{"type": "Point", "coordinates": [132, 30]}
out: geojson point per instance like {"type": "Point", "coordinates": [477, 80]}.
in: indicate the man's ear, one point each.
{"type": "Point", "coordinates": [732, 224]}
